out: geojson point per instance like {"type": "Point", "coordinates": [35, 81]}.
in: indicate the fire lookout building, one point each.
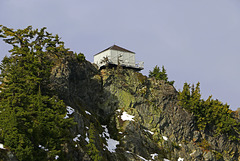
{"type": "Point", "coordinates": [115, 55]}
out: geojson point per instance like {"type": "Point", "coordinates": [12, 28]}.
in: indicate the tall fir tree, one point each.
{"type": "Point", "coordinates": [31, 119]}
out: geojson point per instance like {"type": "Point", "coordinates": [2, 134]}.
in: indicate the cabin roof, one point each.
{"type": "Point", "coordinates": [115, 47]}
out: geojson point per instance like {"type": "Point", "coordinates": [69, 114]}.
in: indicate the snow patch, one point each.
{"type": "Point", "coordinates": [142, 158]}
{"type": "Point", "coordinates": [88, 113]}
{"type": "Point", "coordinates": [125, 116]}
{"type": "Point", "coordinates": [154, 155]}
{"type": "Point", "coordinates": [87, 139]}
{"type": "Point", "coordinates": [77, 138]}
{"type": "Point", "coordinates": [70, 111]}
{"type": "Point", "coordinates": [111, 143]}
{"type": "Point", "coordinates": [43, 148]}
{"type": "Point", "coordinates": [180, 159]}
{"type": "Point", "coordinates": [1, 146]}
{"type": "Point", "coordinates": [138, 156]}
{"type": "Point", "coordinates": [118, 110]}
{"type": "Point", "coordinates": [105, 133]}
{"type": "Point", "coordinates": [149, 131]}
{"type": "Point", "coordinates": [165, 159]}
{"type": "Point", "coordinates": [165, 138]}
{"type": "Point", "coordinates": [56, 157]}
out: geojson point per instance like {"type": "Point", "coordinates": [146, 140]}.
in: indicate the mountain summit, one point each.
{"type": "Point", "coordinates": [55, 105]}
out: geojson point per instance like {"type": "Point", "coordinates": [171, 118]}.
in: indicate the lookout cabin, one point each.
{"type": "Point", "coordinates": [114, 56]}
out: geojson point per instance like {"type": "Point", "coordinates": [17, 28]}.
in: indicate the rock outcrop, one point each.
{"type": "Point", "coordinates": [141, 116]}
{"type": "Point", "coordinates": [125, 115]}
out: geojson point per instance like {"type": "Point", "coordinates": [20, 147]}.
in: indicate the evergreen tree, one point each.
{"type": "Point", "coordinates": [93, 152]}
{"type": "Point", "coordinates": [210, 112]}
{"type": "Point", "coordinates": [31, 119]}
{"type": "Point", "coordinates": [160, 74]}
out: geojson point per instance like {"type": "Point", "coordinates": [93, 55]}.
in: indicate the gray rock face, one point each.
{"type": "Point", "coordinates": [142, 114]}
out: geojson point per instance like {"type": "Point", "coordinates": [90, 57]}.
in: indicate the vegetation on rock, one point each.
{"type": "Point", "coordinates": [160, 74]}
{"type": "Point", "coordinates": [209, 112]}
{"type": "Point", "coordinates": [93, 152]}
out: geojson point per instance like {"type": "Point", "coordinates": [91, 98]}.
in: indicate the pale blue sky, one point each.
{"type": "Point", "coordinates": [194, 40]}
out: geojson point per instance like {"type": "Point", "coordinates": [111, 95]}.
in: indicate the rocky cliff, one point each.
{"type": "Point", "coordinates": [122, 115]}
{"type": "Point", "coordinates": [134, 117]}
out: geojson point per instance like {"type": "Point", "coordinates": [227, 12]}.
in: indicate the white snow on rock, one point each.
{"type": "Point", "coordinates": [180, 159]}
{"type": "Point", "coordinates": [142, 158]}
{"type": "Point", "coordinates": [118, 110]}
{"type": "Point", "coordinates": [88, 113]}
{"type": "Point", "coordinates": [70, 111]}
{"type": "Point", "coordinates": [138, 156]}
{"type": "Point", "coordinates": [77, 138]}
{"type": "Point", "coordinates": [42, 147]}
{"type": "Point", "coordinates": [165, 159]}
{"type": "Point", "coordinates": [126, 117]}
{"type": "Point", "coordinates": [154, 155]}
{"type": "Point", "coordinates": [105, 133]}
{"type": "Point", "coordinates": [149, 131]}
{"type": "Point", "coordinates": [111, 143]}
{"type": "Point", "coordinates": [165, 138]}
{"type": "Point", "coordinates": [87, 139]}
{"type": "Point", "coordinates": [56, 157]}
{"type": "Point", "coordinates": [1, 146]}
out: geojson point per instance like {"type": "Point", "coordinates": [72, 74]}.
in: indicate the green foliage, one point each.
{"type": "Point", "coordinates": [31, 116]}
{"type": "Point", "coordinates": [210, 112]}
{"type": "Point", "coordinates": [93, 152]}
{"type": "Point", "coordinates": [80, 57]}
{"type": "Point", "coordinates": [160, 74]}
{"type": "Point", "coordinates": [204, 144]}
{"type": "Point", "coordinates": [218, 155]}
{"type": "Point", "coordinates": [176, 145]}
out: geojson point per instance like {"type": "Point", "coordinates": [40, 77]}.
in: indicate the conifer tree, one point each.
{"type": "Point", "coordinates": [93, 152]}
{"type": "Point", "coordinates": [31, 119]}
{"type": "Point", "coordinates": [160, 74]}
{"type": "Point", "coordinates": [210, 112]}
